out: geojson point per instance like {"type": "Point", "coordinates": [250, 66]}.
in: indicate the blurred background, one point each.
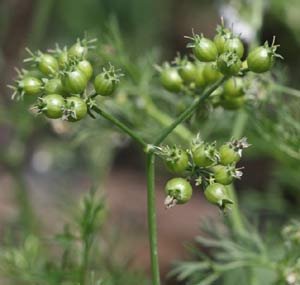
{"type": "Point", "coordinates": [46, 167]}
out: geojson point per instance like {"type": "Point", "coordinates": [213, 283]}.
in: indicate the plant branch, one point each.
{"type": "Point", "coordinates": [242, 117]}
{"type": "Point", "coordinates": [27, 217]}
{"type": "Point", "coordinates": [189, 111]}
{"type": "Point", "coordinates": [85, 261]}
{"type": "Point", "coordinates": [152, 227]}
{"type": "Point", "coordinates": [120, 125]}
{"type": "Point", "coordinates": [40, 21]}
{"type": "Point", "coordinates": [286, 90]}
{"type": "Point", "coordinates": [150, 193]}
{"type": "Point", "coordinates": [236, 216]}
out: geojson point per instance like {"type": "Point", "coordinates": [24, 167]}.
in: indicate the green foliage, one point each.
{"type": "Point", "coordinates": [74, 256]}
{"type": "Point", "coordinates": [142, 104]}
{"type": "Point", "coordinates": [243, 258]}
{"type": "Point", "coordinates": [281, 121]}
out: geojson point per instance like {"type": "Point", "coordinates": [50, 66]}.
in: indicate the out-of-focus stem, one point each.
{"type": "Point", "coordinates": [242, 117]}
{"type": "Point", "coordinates": [41, 16]}
{"type": "Point", "coordinates": [236, 216]}
{"type": "Point", "coordinates": [27, 217]}
{"type": "Point", "coordinates": [287, 90]}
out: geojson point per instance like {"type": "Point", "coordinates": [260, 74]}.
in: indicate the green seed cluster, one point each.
{"type": "Point", "coordinates": [211, 59]}
{"type": "Point", "coordinates": [63, 81]}
{"type": "Point", "coordinates": [206, 165]}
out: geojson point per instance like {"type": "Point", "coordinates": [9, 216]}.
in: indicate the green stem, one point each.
{"type": "Point", "coordinates": [85, 260]}
{"type": "Point", "coordinates": [236, 216]}
{"type": "Point", "coordinates": [121, 126]}
{"type": "Point", "coordinates": [241, 119]}
{"type": "Point", "coordinates": [40, 21]}
{"type": "Point", "coordinates": [239, 125]}
{"type": "Point", "coordinates": [151, 166]}
{"type": "Point", "coordinates": [151, 179]}
{"type": "Point", "coordinates": [150, 193]}
{"type": "Point", "coordinates": [152, 227]}
{"type": "Point", "coordinates": [286, 90]}
{"type": "Point", "coordinates": [257, 20]}
{"type": "Point", "coordinates": [165, 120]}
{"type": "Point", "coordinates": [189, 111]}
{"type": "Point", "coordinates": [27, 217]}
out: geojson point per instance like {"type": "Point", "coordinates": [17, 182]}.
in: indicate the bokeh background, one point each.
{"type": "Point", "coordinates": [45, 167]}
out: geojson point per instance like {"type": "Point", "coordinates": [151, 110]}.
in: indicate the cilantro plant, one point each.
{"type": "Point", "coordinates": [68, 84]}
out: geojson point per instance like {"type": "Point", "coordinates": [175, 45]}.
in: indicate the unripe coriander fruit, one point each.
{"type": "Point", "coordinates": [63, 59]}
{"type": "Point", "coordinates": [179, 189]}
{"type": "Point", "coordinates": [229, 64]}
{"type": "Point", "coordinates": [77, 51]}
{"type": "Point", "coordinates": [85, 67]}
{"type": "Point", "coordinates": [34, 72]}
{"type": "Point", "coordinates": [171, 79]}
{"type": "Point", "coordinates": [180, 162]}
{"type": "Point", "coordinates": [30, 85]}
{"type": "Point", "coordinates": [77, 108]}
{"type": "Point", "coordinates": [234, 87]}
{"type": "Point", "coordinates": [222, 174]}
{"type": "Point", "coordinates": [48, 64]}
{"type": "Point", "coordinates": [260, 59]}
{"type": "Point", "coordinates": [201, 157]}
{"type": "Point", "coordinates": [216, 193]}
{"type": "Point", "coordinates": [54, 86]}
{"type": "Point", "coordinates": [104, 85]}
{"type": "Point", "coordinates": [53, 106]}
{"type": "Point", "coordinates": [228, 155]}
{"type": "Point", "coordinates": [234, 45]}
{"type": "Point", "coordinates": [199, 76]}
{"type": "Point", "coordinates": [187, 71]}
{"type": "Point", "coordinates": [220, 39]}
{"type": "Point", "coordinates": [75, 82]}
{"type": "Point", "coordinates": [233, 103]}
{"type": "Point", "coordinates": [211, 73]}
{"type": "Point", "coordinates": [205, 50]}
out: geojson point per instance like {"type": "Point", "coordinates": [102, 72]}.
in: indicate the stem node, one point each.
{"type": "Point", "coordinates": [149, 148]}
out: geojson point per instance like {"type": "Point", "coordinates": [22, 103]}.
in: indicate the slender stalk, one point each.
{"type": "Point", "coordinates": [150, 193]}
{"type": "Point", "coordinates": [151, 179]}
{"type": "Point", "coordinates": [26, 215]}
{"type": "Point", "coordinates": [40, 21]}
{"type": "Point", "coordinates": [189, 111]}
{"type": "Point", "coordinates": [257, 20]}
{"type": "Point", "coordinates": [241, 118]}
{"type": "Point", "coordinates": [85, 260]}
{"type": "Point", "coordinates": [35, 35]}
{"type": "Point", "coordinates": [152, 227]}
{"type": "Point", "coordinates": [239, 126]}
{"type": "Point", "coordinates": [120, 125]}
{"type": "Point", "coordinates": [286, 90]}
{"type": "Point", "coordinates": [236, 216]}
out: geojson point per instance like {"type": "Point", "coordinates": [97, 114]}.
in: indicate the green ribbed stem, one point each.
{"type": "Point", "coordinates": [152, 225]}
{"type": "Point", "coordinates": [121, 126]}
{"type": "Point", "coordinates": [189, 111]}
{"type": "Point", "coordinates": [236, 216]}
